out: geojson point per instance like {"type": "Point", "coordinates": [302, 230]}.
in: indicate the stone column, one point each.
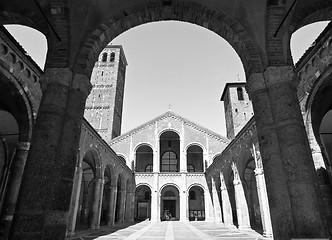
{"type": "Point", "coordinates": [112, 206]}
{"type": "Point", "coordinates": [183, 206]}
{"type": "Point", "coordinates": [75, 196]}
{"type": "Point", "coordinates": [226, 204]}
{"type": "Point", "coordinates": [242, 211]}
{"type": "Point", "coordinates": [14, 183]}
{"type": "Point", "coordinates": [44, 198]}
{"type": "Point", "coordinates": [156, 167]}
{"type": "Point", "coordinates": [97, 195]}
{"type": "Point", "coordinates": [289, 170]}
{"type": "Point", "coordinates": [154, 207]}
{"type": "Point", "coordinates": [216, 204]}
{"type": "Point", "coordinates": [208, 207]}
{"type": "Point", "coordinates": [132, 206]}
{"type": "Point", "coordinates": [122, 205]}
{"type": "Point", "coordinates": [262, 194]}
{"type": "Point", "coordinates": [129, 203]}
{"type": "Point", "coordinates": [100, 203]}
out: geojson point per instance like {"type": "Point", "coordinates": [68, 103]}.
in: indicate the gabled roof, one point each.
{"type": "Point", "coordinates": [173, 115]}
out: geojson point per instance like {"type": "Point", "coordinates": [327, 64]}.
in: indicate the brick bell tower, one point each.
{"type": "Point", "coordinates": [238, 107]}
{"type": "Point", "coordinates": [104, 105]}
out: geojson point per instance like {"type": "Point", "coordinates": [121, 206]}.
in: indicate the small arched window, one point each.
{"type": "Point", "coordinates": [240, 93]}
{"type": "Point", "coordinates": [112, 57]}
{"type": "Point", "coordinates": [104, 58]}
{"type": "Point", "coordinates": [149, 168]}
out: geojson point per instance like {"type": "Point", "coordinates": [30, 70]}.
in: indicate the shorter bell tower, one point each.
{"type": "Point", "coordinates": [238, 107]}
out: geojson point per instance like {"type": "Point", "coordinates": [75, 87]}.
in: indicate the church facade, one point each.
{"type": "Point", "coordinates": [169, 156]}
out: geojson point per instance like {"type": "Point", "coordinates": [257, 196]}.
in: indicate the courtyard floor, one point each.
{"type": "Point", "coordinates": [171, 230]}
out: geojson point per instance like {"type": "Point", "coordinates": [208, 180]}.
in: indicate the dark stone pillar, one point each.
{"type": "Point", "coordinates": [289, 170]}
{"type": "Point", "coordinates": [122, 205]}
{"type": "Point", "coordinates": [44, 198]}
{"type": "Point", "coordinates": [15, 178]}
{"type": "Point", "coordinates": [75, 197]}
{"type": "Point", "coordinates": [112, 206]}
{"type": "Point", "coordinates": [97, 196]}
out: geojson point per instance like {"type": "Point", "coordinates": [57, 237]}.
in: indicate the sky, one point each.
{"type": "Point", "coordinates": [173, 65]}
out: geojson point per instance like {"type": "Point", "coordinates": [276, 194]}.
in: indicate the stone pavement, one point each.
{"type": "Point", "coordinates": [169, 231]}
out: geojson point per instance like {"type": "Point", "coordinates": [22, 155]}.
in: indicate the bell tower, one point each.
{"type": "Point", "coordinates": [104, 105]}
{"type": "Point", "coordinates": [238, 107]}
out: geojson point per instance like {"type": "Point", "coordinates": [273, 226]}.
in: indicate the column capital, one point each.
{"type": "Point", "coordinates": [259, 171]}
{"type": "Point", "coordinates": [23, 146]}
{"type": "Point", "coordinates": [62, 76]}
{"type": "Point", "coordinates": [271, 76]}
{"type": "Point", "coordinates": [82, 83]}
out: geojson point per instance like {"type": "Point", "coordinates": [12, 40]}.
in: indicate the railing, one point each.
{"type": "Point", "coordinates": [196, 215]}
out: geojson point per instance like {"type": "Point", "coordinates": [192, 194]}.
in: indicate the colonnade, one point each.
{"type": "Point", "coordinates": [119, 203]}
{"type": "Point", "coordinates": [223, 209]}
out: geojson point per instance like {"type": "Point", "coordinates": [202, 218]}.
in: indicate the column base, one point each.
{"type": "Point", "coordinates": [245, 228]}
{"type": "Point", "coordinates": [267, 234]}
{"type": "Point", "coordinates": [71, 233]}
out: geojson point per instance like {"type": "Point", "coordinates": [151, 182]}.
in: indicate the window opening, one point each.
{"type": "Point", "coordinates": [240, 94]}
{"type": "Point", "coordinates": [169, 162]}
{"type": "Point", "coordinates": [190, 168]}
{"type": "Point", "coordinates": [112, 57]}
{"type": "Point", "coordinates": [149, 168]}
{"type": "Point", "coordinates": [192, 195]}
{"type": "Point", "coordinates": [104, 58]}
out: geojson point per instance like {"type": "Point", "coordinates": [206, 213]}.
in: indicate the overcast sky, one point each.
{"type": "Point", "coordinates": [174, 64]}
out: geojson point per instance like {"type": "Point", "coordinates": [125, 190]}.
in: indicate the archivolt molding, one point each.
{"type": "Point", "coordinates": [191, 12]}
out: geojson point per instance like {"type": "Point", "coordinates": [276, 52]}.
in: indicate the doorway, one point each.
{"type": "Point", "coordinates": [170, 206]}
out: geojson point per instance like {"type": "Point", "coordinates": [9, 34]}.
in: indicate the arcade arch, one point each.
{"type": "Point", "coordinates": [90, 190]}
{"type": "Point", "coordinates": [142, 202]}
{"type": "Point", "coordinates": [196, 203]}
{"type": "Point", "coordinates": [169, 203]}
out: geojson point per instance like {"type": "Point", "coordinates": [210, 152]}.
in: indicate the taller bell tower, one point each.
{"type": "Point", "coordinates": [104, 105]}
{"type": "Point", "coordinates": [238, 107]}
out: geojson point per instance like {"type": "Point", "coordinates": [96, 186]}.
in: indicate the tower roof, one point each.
{"type": "Point", "coordinates": [232, 84]}
{"type": "Point", "coordinates": [121, 51]}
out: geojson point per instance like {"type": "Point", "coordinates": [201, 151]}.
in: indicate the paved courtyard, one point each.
{"type": "Point", "coordinates": [168, 231]}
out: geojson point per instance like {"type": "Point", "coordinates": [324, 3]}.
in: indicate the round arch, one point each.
{"type": "Point", "coordinates": [169, 130]}
{"type": "Point", "coordinates": [144, 184]}
{"type": "Point", "coordinates": [218, 22]}
{"type": "Point", "coordinates": [92, 157]}
{"type": "Point", "coordinates": [12, 92]}
{"type": "Point", "coordinates": [196, 202]}
{"type": "Point", "coordinates": [312, 12]}
{"type": "Point", "coordinates": [144, 158]}
{"type": "Point", "coordinates": [110, 173]}
{"type": "Point", "coordinates": [195, 158]}
{"type": "Point", "coordinates": [195, 144]}
{"type": "Point", "coordinates": [143, 144]}
{"type": "Point", "coordinates": [169, 195]}
{"type": "Point", "coordinates": [142, 209]}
